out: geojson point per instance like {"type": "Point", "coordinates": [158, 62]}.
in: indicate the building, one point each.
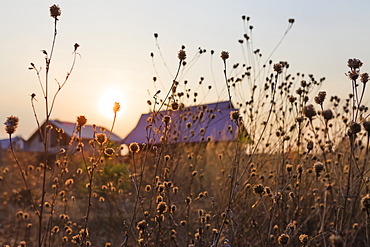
{"type": "Point", "coordinates": [61, 134]}
{"type": "Point", "coordinates": [194, 124]}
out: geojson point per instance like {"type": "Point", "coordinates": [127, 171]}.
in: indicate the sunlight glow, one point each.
{"type": "Point", "coordinates": [107, 100]}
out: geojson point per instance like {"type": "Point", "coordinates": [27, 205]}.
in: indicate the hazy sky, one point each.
{"type": "Point", "coordinates": [116, 39]}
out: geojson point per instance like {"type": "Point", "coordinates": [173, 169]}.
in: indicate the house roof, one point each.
{"type": "Point", "coordinates": [86, 133]}
{"type": "Point", "coordinates": [188, 124]}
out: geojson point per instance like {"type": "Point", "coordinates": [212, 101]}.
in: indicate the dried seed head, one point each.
{"type": "Point", "coordinates": [310, 145]}
{"type": "Point", "coordinates": [116, 107]}
{"type": "Point", "coordinates": [355, 128]}
{"type": "Point", "coordinates": [134, 147]}
{"type": "Point", "coordinates": [364, 77]}
{"type": "Point", "coordinates": [234, 115]}
{"type": "Point", "coordinates": [283, 239]}
{"type": "Point", "coordinates": [354, 63]}
{"type": "Point", "coordinates": [101, 138]}
{"type": "Point", "coordinates": [366, 125]}
{"type": "Point", "coordinates": [81, 120]}
{"type": "Point", "coordinates": [320, 98]}
{"type": "Point", "coordinates": [224, 55]}
{"type": "Point", "coordinates": [327, 114]}
{"type": "Point", "coordinates": [278, 68]}
{"type": "Point", "coordinates": [109, 151]}
{"type": "Point", "coordinates": [318, 167]}
{"type": "Point", "coordinates": [309, 111]}
{"type": "Point", "coordinates": [181, 55]}
{"type": "Point", "coordinates": [258, 189]}
{"type": "Point", "coordinates": [166, 119]}
{"type": "Point", "coordinates": [55, 11]}
{"type": "Point", "coordinates": [11, 124]}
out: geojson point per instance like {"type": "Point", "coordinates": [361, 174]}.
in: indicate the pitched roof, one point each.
{"type": "Point", "coordinates": [87, 130]}
{"type": "Point", "coordinates": [187, 125]}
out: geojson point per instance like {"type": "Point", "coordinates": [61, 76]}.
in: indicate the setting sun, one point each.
{"type": "Point", "coordinates": [107, 101]}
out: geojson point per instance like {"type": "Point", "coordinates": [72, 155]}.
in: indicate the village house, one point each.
{"type": "Point", "coordinates": [193, 124]}
{"type": "Point", "coordinates": [61, 134]}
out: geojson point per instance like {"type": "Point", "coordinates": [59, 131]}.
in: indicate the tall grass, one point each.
{"type": "Point", "coordinates": [296, 174]}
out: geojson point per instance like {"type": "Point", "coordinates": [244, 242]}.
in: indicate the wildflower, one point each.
{"type": "Point", "coordinates": [224, 55]}
{"type": "Point", "coordinates": [318, 167]}
{"type": "Point", "coordinates": [366, 125]}
{"type": "Point", "coordinates": [76, 46]}
{"type": "Point", "coordinates": [283, 239]}
{"type": "Point", "coordinates": [258, 189]}
{"type": "Point", "coordinates": [11, 124]}
{"type": "Point", "coordinates": [101, 138]}
{"type": "Point", "coordinates": [278, 68]}
{"type": "Point", "coordinates": [116, 107]}
{"type": "Point", "coordinates": [309, 111]}
{"type": "Point", "coordinates": [320, 98]}
{"type": "Point", "coordinates": [174, 106]}
{"type": "Point", "coordinates": [291, 20]}
{"type": "Point", "coordinates": [181, 55]}
{"type": "Point", "coordinates": [355, 128]}
{"type": "Point", "coordinates": [289, 167]}
{"type": "Point", "coordinates": [81, 120]}
{"type": "Point", "coordinates": [234, 115]}
{"type": "Point", "coordinates": [134, 147]}
{"type": "Point", "coordinates": [109, 151]}
{"type": "Point", "coordinates": [166, 119]}
{"type": "Point", "coordinates": [141, 225]}
{"type": "Point", "coordinates": [55, 11]}
{"type": "Point", "coordinates": [162, 207]}
{"type": "Point", "coordinates": [354, 63]}
{"type": "Point", "coordinates": [327, 114]}
{"type": "Point", "coordinates": [364, 77]}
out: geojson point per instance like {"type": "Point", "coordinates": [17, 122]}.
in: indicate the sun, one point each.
{"type": "Point", "coordinates": [107, 100]}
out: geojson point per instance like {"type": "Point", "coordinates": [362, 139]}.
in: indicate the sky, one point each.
{"type": "Point", "coordinates": [116, 40]}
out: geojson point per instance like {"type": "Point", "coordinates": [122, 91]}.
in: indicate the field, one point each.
{"type": "Point", "coordinates": [296, 174]}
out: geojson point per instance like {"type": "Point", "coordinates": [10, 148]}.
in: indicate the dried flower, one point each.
{"type": "Point", "coordinates": [116, 107]}
{"type": "Point", "coordinates": [283, 239]}
{"type": "Point", "coordinates": [258, 189]}
{"type": "Point", "coordinates": [55, 11]}
{"type": "Point", "coordinates": [101, 138]}
{"type": "Point", "coordinates": [224, 55]}
{"type": "Point", "coordinates": [310, 145]}
{"type": "Point", "coordinates": [355, 128]}
{"type": "Point", "coordinates": [81, 120]}
{"type": "Point", "coordinates": [234, 115]}
{"type": "Point", "coordinates": [364, 77]}
{"type": "Point", "coordinates": [309, 111]}
{"type": "Point", "coordinates": [11, 124]}
{"type": "Point", "coordinates": [181, 55]}
{"type": "Point", "coordinates": [109, 151]}
{"type": "Point", "coordinates": [354, 63]}
{"type": "Point", "coordinates": [327, 114]}
{"type": "Point", "coordinates": [320, 98]}
{"type": "Point", "coordinates": [134, 147]}
{"type": "Point", "coordinates": [166, 119]}
{"type": "Point", "coordinates": [318, 167]}
{"type": "Point", "coordinates": [366, 125]}
{"type": "Point", "coordinates": [278, 68]}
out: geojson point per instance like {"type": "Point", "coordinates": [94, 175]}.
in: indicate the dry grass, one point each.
{"type": "Point", "coordinates": [295, 176]}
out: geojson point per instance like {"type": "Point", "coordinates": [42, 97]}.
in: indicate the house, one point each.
{"type": "Point", "coordinates": [194, 124]}
{"type": "Point", "coordinates": [61, 134]}
{"type": "Point", "coordinates": [17, 142]}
